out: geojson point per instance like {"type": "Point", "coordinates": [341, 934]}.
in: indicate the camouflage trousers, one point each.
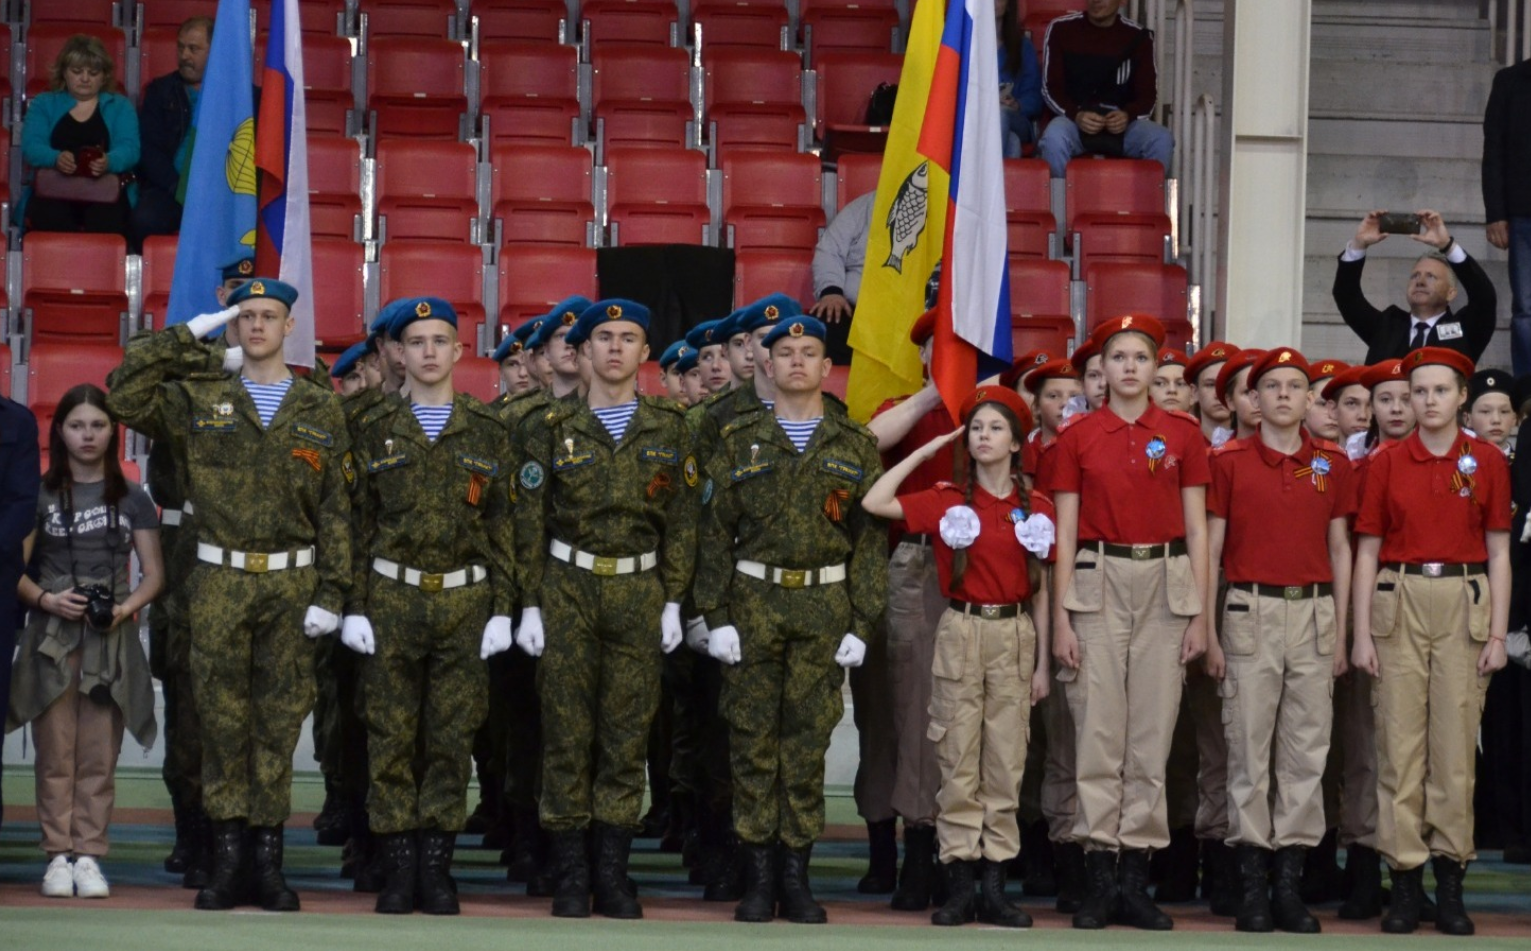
{"type": "Point", "coordinates": [253, 683]}
{"type": "Point", "coordinates": [170, 661]}
{"type": "Point", "coordinates": [427, 692]}
{"type": "Point", "coordinates": [599, 682]}
{"type": "Point", "coordinates": [782, 702]}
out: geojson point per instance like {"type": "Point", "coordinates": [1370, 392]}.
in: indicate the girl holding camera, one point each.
{"type": "Point", "coordinates": [81, 675]}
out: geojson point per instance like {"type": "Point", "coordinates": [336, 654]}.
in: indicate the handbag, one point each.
{"type": "Point", "coordinates": [51, 183]}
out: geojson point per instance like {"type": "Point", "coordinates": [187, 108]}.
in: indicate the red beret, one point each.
{"type": "Point", "coordinates": [1171, 356]}
{"type": "Point", "coordinates": [1023, 365]}
{"type": "Point", "coordinates": [1279, 358]}
{"type": "Point", "coordinates": [1130, 323]}
{"type": "Point", "coordinates": [1439, 357]}
{"type": "Point", "coordinates": [1004, 396]}
{"type": "Point", "coordinates": [1082, 355]}
{"type": "Point", "coordinates": [1324, 369]}
{"type": "Point", "coordinates": [1350, 376]}
{"type": "Point", "coordinates": [1231, 367]}
{"type": "Point", "coordinates": [1212, 354]}
{"type": "Point", "coordinates": [923, 328]}
{"type": "Point", "coordinates": [1051, 370]}
{"type": "Point", "coordinates": [1388, 371]}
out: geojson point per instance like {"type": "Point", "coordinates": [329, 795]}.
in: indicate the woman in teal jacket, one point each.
{"type": "Point", "coordinates": [81, 126]}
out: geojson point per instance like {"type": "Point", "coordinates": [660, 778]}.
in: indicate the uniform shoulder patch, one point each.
{"type": "Point", "coordinates": [532, 476]}
{"type": "Point", "coordinates": [843, 469]}
{"type": "Point", "coordinates": [313, 434]}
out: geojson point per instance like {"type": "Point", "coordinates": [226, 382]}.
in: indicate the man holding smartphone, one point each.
{"type": "Point", "coordinates": [1436, 280]}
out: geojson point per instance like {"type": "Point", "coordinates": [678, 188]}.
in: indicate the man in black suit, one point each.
{"type": "Point", "coordinates": [1434, 283]}
{"type": "Point", "coordinates": [19, 476]}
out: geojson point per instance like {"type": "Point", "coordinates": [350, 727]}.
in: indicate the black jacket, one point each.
{"type": "Point", "coordinates": [1507, 145]}
{"type": "Point", "coordinates": [1386, 332]}
{"type": "Point", "coordinates": [164, 118]}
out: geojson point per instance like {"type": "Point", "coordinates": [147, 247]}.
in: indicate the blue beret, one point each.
{"type": "Point", "coordinates": [346, 362]}
{"type": "Point", "coordinates": [382, 324]}
{"type": "Point", "coordinates": [728, 327]}
{"type": "Point", "coordinates": [411, 309]}
{"type": "Point", "coordinates": [603, 311]}
{"type": "Point", "coordinates": [796, 327]}
{"type": "Point", "coordinates": [533, 330]}
{"type": "Point", "coordinates": [705, 334]}
{"type": "Point", "coordinates": [524, 332]}
{"type": "Point", "coordinates": [563, 314]}
{"type": "Point", "coordinates": [512, 344]}
{"type": "Point", "coordinates": [264, 287]}
{"type": "Point", "coordinates": [771, 309]}
{"type": "Point", "coordinates": [687, 360]}
{"type": "Point", "coordinates": [240, 269]}
{"type": "Point", "coordinates": [673, 353]}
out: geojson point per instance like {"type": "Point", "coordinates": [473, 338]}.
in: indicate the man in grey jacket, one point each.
{"type": "Point", "coordinates": [837, 264]}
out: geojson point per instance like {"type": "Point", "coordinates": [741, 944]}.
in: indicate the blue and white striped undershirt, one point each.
{"type": "Point", "coordinates": [616, 418]}
{"type": "Point", "coordinates": [433, 419]}
{"type": "Point", "coordinates": [267, 397]}
{"type": "Point", "coordinates": [799, 432]}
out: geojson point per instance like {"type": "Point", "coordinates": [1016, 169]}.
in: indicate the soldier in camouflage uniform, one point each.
{"type": "Point", "coordinates": [268, 468]}
{"type": "Point", "coordinates": [606, 533]}
{"type": "Point", "coordinates": [800, 592]}
{"type": "Point", "coordinates": [515, 362]}
{"type": "Point", "coordinates": [430, 600]}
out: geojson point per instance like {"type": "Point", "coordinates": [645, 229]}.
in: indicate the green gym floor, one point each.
{"type": "Point", "coordinates": [149, 911]}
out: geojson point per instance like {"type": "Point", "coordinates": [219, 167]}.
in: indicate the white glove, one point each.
{"type": "Point", "coordinates": [1355, 446]}
{"type": "Point", "coordinates": [529, 637]}
{"type": "Point", "coordinates": [959, 526]}
{"type": "Point", "coordinates": [1036, 534]}
{"type": "Point", "coordinates": [696, 634]}
{"type": "Point", "coordinates": [233, 359]}
{"type": "Point", "coordinates": [496, 637]}
{"type": "Point", "coordinates": [1221, 435]}
{"type": "Point", "coordinates": [319, 622]}
{"type": "Point", "coordinates": [1077, 404]}
{"type": "Point", "coordinates": [670, 634]}
{"type": "Point", "coordinates": [356, 633]}
{"type": "Point", "coordinates": [723, 644]}
{"type": "Point", "coordinates": [852, 652]}
{"type": "Point", "coordinates": [204, 324]}
{"type": "Point", "coordinates": [1517, 647]}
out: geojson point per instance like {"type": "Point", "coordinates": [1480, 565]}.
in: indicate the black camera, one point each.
{"type": "Point", "coordinates": [99, 603]}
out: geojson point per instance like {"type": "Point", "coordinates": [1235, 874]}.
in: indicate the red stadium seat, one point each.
{"type": "Point", "coordinates": [753, 99]}
{"type": "Point", "coordinates": [327, 95]}
{"type": "Point", "coordinates": [157, 54]}
{"type": "Point", "coordinates": [1097, 189]}
{"type": "Point", "coordinates": [1028, 207]}
{"type": "Point", "coordinates": [1114, 288]}
{"type": "Point", "coordinates": [5, 149]}
{"type": "Point", "coordinates": [1053, 334]}
{"type": "Point", "coordinates": [772, 199]}
{"type": "Point", "coordinates": [339, 299]}
{"type": "Point", "coordinates": [426, 190]}
{"type": "Point", "coordinates": [533, 279]}
{"type": "Point", "coordinates": [451, 271]}
{"type": "Point", "coordinates": [1039, 288]}
{"type": "Point", "coordinates": [74, 12]}
{"type": "Point", "coordinates": [157, 276]}
{"type": "Point", "coordinates": [530, 91]}
{"type": "Point", "coordinates": [5, 60]}
{"type": "Point", "coordinates": [415, 86]}
{"type": "Point", "coordinates": [1179, 335]}
{"type": "Point", "coordinates": [44, 40]}
{"type": "Point", "coordinates": [477, 376]}
{"type": "Point", "coordinates": [657, 196]}
{"type": "Point", "coordinates": [5, 370]}
{"type": "Point", "coordinates": [641, 96]}
{"type": "Point", "coordinates": [425, 18]}
{"type": "Point", "coordinates": [54, 368]}
{"type": "Point", "coordinates": [846, 81]}
{"type": "Point", "coordinates": [172, 13]}
{"type": "Point", "coordinates": [315, 17]}
{"type": "Point", "coordinates": [855, 175]}
{"type": "Point", "coordinates": [75, 285]}
{"type": "Point", "coordinates": [740, 23]}
{"type": "Point", "coordinates": [540, 194]}
{"type": "Point", "coordinates": [629, 21]}
{"type": "Point", "coordinates": [761, 272]}
{"type": "Point", "coordinates": [334, 185]}
{"type": "Point", "coordinates": [521, 19]}
{"type": "Point", "coordinates": [835, 26]}
{"type": "Point", "coordinates": [836, 382]}
{"type": "Point", "coordinates": [5, 242]}
{"type": "Point", "coordinates": [649, 379]}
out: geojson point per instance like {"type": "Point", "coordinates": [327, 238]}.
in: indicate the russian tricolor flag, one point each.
{"type": "Point", "coordinates": [962, 134]}
{"type": "Point", "coordinates": [282, 246]}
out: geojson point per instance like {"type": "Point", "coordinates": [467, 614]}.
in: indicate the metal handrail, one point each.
{"type": "Point", "coordinates": [1516, 29]}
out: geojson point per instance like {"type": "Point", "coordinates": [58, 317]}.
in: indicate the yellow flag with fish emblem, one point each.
{"type": "Point", "coordinates": [906, 241]}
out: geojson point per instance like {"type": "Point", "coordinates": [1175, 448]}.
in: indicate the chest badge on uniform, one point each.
{"type": "Point", "coordinates": [1155, 452]}
{"type": "Point", "coordinates": [224, 409]}
{"type": "Point", "coordinates": [834, 504]}
{"type": "Point", "coordinates": [659, 483]}
{"type": "Point", "coordinates": [689, 471]}
{"type": "Point", "coordinates": [1318, 468]}
{"type": "Point", "coordinates": [348, 469]}
{"type": "Point", "coordinates": [532, 476]}
{"type": "Point", "coordinates": [1462, 480]}
{"type": "Point", "coordinates": [310, 456]}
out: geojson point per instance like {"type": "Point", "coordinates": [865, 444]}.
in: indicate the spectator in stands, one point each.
{"type": "Point", "coordinates": [82, 129]}
{"type": "Point", "coordinates": [18, 516]}
{"type": "Point", "coordinates": [1434, 283]}
{"type": "Point", "coordinates": [80, 677]}
{"type": "Point", "coordinates": [1020, 78]}
{"type": "Point", "coordinates": [1098, 76]}
{"type": "Point", "coordinates": [1507, 195]}
{"type": "Point", "coordinates": [166, 116]}
{"type": "Point", "coordinates": [837, 263]}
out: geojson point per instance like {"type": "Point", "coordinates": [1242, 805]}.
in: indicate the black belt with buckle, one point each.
{"type": "Point", "coordinates": [1139, 552]}
{"type": "Point", "coordinates": [915, 539]}
{"type": "Point", "coordinates": [989, 612]}
{"type": "Point", "coordinates": [1291, 592]}
{"type": "Point", "coordinates": [1440, 569]}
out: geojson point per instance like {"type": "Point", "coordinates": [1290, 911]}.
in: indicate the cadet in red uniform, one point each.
{"type": "Point", "coordinates": [1201, 372]}
{"type": "Point", "coordinates": [1171, 390]}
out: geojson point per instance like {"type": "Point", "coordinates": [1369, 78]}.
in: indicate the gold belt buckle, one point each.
{"type": "Point", "coordinates": [1142, 552]}
{"type": "Point", "coordinates": [793, 578]}
{"type": "Point", "coordinates": [1295, 592]}
{"type": "Point", "coordinates": [989, 612]}
{"type": "Point", "coordinates": [1433, 569]}
{"type": "Point", "coordinates": [604, 566]}
{"type": "Point", "coordinates": [431, 582]}
{"type": "Point", "coordinates": [257, 562]}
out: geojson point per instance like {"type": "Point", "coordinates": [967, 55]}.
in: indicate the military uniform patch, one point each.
{"type": "Point", "coordinates": [707, 492]}
{"type": "Point", "coordinates": [310, 456]}
{"type": "Point", "coordinates": [348, 469]}
{"type": "Point", "coordinates": [750, 471]}
{"type": "Point", "coordinates": [312, 434]}
{"type": "Point", "coordinates": [576, 461]}
{"type": "Point", "coordinates": [215, 424]}
{"type": "Point", "coordinates": [667, 456]}
{"type": "Point", "coordinates": [689, 470]}
{"type": "Point", "coordinates": [487, 467]}
{"type": "Point", "coordinates": [532, 476]}
{"type": "Point", "coordinates": [844, 470]}
{"type": "Point", "coordinates": [387, 462]}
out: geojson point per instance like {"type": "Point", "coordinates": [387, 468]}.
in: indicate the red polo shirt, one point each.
{"type": "Point", "coordinates": [1422, 513]}
{"type": "Point", "coordinates": [1278, 509]}
{"type": "Point", "coordinates": [996, 571]}
{"type": "Point", "coordinates": [937, 422]}
{"type": "Point", "coordinates": [1105, 460]}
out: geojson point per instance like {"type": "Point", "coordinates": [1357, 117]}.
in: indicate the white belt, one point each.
{"type": "Point", "coordinates": [791, 577]}
{"type": "Point", "coordinates": [602, 565]}
{"type": "Point", "coordinates": [429, 581]}
{"type": "Point", "coordinates": [172, 517]}
{"type": "Point", "coordinates": [255, 562]}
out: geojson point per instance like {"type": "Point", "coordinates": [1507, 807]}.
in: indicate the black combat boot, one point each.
{"type": "Point", "coordinates": [759, 901]}
{"type": "Point", "coordinates": [1177, 882]}
{"type": "Point", "coordinates": [1137, 910]}
{"type": "Point", "coordinates": [368, 851]}
{"type": "Point", "coordinates": [917, 878]}
{"type": "Point", "coordinates": [1071, 875]}
{"type": "Point", "coordinates": [571, 865]}
{"type": "Point", "coordinates": [225, 885]}
{"type": "Point", "coordinates": [435, 889]}
{"type": "Point", "coordinates": [1287, 907]}
{"type": "Point", "coordinates": [1322, 880]}
{"type": "Point", "coordinates": [1254, 890]}
{"type": "Point", "coordinates": [1220, 881]}
{"type": "Point", "coordinates": [1101, 893]}
{"type": "Point", "coordinates": [180, 853]}
{"type": "Point", "coordinates": [521, 858]}
{"type": "Point", "coordinates": [726, 876]}
{"type": "Point", "coordinates": [1403, 908]}
{"type": "Point", "coordinates": [394, 863]}
{"type": "Point", "coordinates": [614, 896]}
{"type": "Point", "coordinates": [1039, 878]}
{"type": "Point", "coordinates": [332, 826]}
{"type": "Point", "coordinates": [961, 904]}
{"type": "Point", "coordinates": [1450, 915]}
{"type": "Point", "coordinates": [882, 853]}
{"type": "Point", "coordinates": [794, 897]}
{"type": "Point", "coordinates": [270, 887]}
{"type": "Point", "coordinates": [199, 861]}
{"type": "Point", "coordinates": [1363, 866]}
{"type": "Point", "coordinates": [993, 907]}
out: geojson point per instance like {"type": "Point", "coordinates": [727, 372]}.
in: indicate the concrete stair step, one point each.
{"type": "Point", "coordinates": [1346, 89]}
{"type": "Point", "coordinates": [1445, 138]}
{"type": "Point", "coordinates": [1373, 10]}
{"type": "Point", "coordinates": [1341, 184]}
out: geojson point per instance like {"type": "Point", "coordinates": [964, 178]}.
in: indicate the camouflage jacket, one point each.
{"type": "Point", "coordinates": [254, 489]}
{"type": "Point", "coordinates": [578, 487]}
